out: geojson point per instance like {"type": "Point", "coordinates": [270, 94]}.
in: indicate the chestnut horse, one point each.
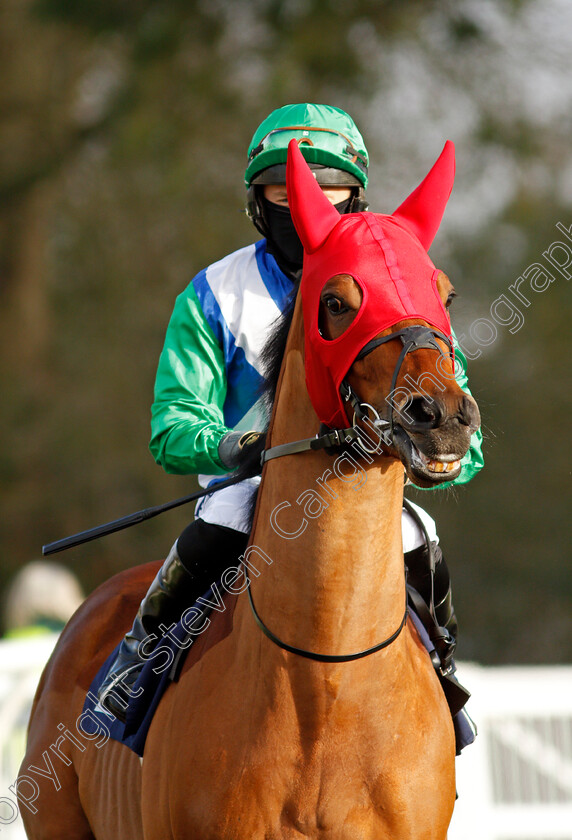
{"type": "Point", "coordinates": [331, 723]}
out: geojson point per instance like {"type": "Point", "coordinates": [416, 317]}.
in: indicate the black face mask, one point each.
{"type": "Point", "coordinates": [283, 241]}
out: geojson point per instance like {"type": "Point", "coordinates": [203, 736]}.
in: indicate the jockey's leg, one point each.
{"type": "Point", "coordinates": [214, 541]}
{"type": "Point", "coordinates": [196, 561]}
{"type": "Point", "coordinates": [419, 576]}
{"type": "Point", "coordinates": [416, 554]}
{"type": "Point", "coordinates": [417, 561]}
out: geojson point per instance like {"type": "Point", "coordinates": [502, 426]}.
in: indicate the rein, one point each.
{"type": "Point", "coordinates": [320, 657]}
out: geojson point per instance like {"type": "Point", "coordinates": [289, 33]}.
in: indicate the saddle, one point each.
{"type": "Point", "coordinates": [178, 648]}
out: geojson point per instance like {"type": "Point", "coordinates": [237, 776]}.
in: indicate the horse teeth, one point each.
{"type": "Point", "coordinates": [443, 466]}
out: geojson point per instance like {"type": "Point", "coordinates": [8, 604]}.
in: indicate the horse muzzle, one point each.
{"type": "Point", "coordinates": [432, 441]}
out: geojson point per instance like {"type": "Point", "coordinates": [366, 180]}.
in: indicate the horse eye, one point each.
{"type": "Point", "coordinates": [450, 299]}
{"type": "Point", "coordinates": [335, 306]}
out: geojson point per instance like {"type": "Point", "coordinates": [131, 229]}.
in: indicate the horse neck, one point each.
{"type": "Point", "coordinates": [338, 586]}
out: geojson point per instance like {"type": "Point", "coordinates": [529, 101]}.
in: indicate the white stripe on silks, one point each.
{"type": "Point", "coordinates": [244, 301]}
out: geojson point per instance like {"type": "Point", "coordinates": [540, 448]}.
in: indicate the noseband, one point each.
{"type": "Point", "coordinates": [412, 338]}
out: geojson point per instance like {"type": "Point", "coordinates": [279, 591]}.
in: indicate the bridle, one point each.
{"type": "Point", "coordinates": [412, 338]}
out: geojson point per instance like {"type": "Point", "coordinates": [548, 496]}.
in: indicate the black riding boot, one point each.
{"type": "Point", "coordinates": [198, 559]}
{"type": "Point", "coordinates": [419, 577]}
{"type": "Point", "coordinates": [162, 603]}
{"type": "Point", "coordinates": [442, 626]}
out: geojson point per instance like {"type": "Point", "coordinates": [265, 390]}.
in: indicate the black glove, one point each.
{"type": "Point", "coordinates": [234, 448]}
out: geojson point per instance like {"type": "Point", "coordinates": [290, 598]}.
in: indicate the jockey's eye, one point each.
{"type": "Point", "coordinates": [335, 305]}
{"type": "Point", "coordinates": [452, 296]}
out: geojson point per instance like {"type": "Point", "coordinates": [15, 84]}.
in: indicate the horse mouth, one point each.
{"type": "Point", "coordinates": [422, 469]}
{"type": "Point", "coordinates": [447, 463]}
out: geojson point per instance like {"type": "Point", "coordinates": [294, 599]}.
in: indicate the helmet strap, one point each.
{"type": "Point", "coordinates": [359, 203]}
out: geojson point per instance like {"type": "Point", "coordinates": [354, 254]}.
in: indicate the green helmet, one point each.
{"type": "Point", "coordinates": [327, 136]}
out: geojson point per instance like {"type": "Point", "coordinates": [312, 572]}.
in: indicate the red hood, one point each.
{"type": "Point", "coordinates": [386, 255]}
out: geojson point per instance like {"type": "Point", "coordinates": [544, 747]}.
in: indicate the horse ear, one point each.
{"type": "Point", "coordinates": [423, 210]}
{"type": "Point", "coordinates": [313, 215]}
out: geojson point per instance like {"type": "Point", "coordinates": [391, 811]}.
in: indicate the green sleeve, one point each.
{"type": "Point", "coordinates": [473, 461]}
{"type": "Point", "coordinates": [187, 421]}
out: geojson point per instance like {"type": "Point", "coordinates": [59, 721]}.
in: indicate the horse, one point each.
{"type": "Point", "coordinates": [318, 712]}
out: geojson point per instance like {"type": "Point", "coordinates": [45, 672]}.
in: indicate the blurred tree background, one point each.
{"type": "Point", "coordinates": [123, 133]}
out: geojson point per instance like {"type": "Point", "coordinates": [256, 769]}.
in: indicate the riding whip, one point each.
{"type": "Point", "coordinates": [132, 519]}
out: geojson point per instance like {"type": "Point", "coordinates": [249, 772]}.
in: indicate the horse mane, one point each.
{"type": "Point", "coordinates": [271, 358]}
{"type": "Point", "coordinates": [273, 351]}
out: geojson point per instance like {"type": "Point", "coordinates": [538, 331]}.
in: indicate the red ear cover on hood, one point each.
{"type": "Point", "coordinates": [313, 215]}
{"type": "Point", "coordinates": [387, 257]}
{"type": "Point", "coordinates": [423, 210]}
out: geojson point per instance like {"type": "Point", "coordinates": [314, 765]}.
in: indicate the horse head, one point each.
{"type": "Point", "coordinates": [377, 327]}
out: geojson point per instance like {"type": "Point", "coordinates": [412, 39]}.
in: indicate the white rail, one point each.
{"type": "Point", "coordinates": [515, 781]}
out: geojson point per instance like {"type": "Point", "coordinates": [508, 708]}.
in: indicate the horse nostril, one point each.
{"type": "Point", "coordinates": [469, 413]}
{"type": "Point", "coordinates": [424, 411]}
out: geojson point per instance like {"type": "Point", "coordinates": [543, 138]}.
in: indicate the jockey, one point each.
{"type": "Point", "coordinates": [208, 411]}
